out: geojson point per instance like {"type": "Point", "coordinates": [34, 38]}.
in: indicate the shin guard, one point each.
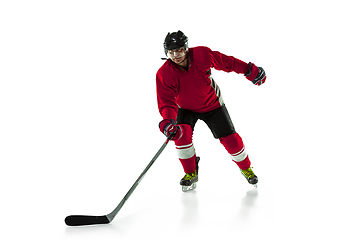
{"type": "Point", "coordinates": [186, 150]}
{"type": "Point", "coordinates": [235, 147]}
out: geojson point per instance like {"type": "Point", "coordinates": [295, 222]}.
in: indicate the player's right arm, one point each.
{"type": "Point", "coordinates": [167, 91]}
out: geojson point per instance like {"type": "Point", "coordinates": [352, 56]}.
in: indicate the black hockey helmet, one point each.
{"type": "Point", "coordinates": [175, 40]}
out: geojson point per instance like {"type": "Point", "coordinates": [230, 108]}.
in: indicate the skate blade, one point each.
{"type": "Point", "coordinates": [189, 188]}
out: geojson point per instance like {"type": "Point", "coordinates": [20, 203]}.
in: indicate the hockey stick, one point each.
{"type": "Point", "coordinates": [80, 220]}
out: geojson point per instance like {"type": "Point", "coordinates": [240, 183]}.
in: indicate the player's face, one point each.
{"type": "Point", "coordinates": [177, 55]}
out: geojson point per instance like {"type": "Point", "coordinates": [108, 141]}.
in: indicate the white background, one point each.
{"type": "Point", "coordinates": [79, 120]}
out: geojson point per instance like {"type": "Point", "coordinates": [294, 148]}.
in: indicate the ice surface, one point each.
{"type": "Point", "coordinates": [79, 120]}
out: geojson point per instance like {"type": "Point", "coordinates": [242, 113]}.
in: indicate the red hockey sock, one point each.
{"type": "Point", "coordinates": [185, 149]}
{"type": "Point", "coordinates": [245, 164]}
{"type": "Point", "coordinates": [235, 147]}
{"type": "Point", "coordinates": [189, 164]}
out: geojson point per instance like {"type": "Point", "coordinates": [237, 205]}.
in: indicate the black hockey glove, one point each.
{"type": "Point", "coordinates": [256, 74]}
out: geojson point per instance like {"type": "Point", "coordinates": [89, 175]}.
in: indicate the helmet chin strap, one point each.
{"type": "Point", "coordinates": [184, 59]}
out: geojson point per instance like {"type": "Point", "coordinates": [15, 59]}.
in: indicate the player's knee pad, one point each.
{"type": "Point", "coordinates": [235, 147]}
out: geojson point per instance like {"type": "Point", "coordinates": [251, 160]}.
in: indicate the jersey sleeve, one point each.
{"type": "Point", "coordinates": [167, 91]}
{"type": "Point", "coordinates": [220, 61]}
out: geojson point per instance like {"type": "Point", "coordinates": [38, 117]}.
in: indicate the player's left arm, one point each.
{"type": "Point", "coordinates": [226, 63]}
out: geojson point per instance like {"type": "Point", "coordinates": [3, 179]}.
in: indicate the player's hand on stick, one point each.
{"type": "Point", "coordinates": [170, 129]}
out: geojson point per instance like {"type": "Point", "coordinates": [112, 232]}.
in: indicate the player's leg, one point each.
{"type": "Point", "coordinates": [186, 150]}
{"type": "Point", "coordinates": [220, 123]}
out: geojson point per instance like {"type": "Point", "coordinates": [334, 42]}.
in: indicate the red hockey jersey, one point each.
{"type": "Point", "coordinates": [193, 89]}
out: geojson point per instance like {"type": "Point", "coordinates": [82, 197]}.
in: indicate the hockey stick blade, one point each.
{"type": "Point", "coordinates": [81, 220]}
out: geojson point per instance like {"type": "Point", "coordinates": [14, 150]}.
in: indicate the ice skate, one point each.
{"type": "Point", "coordinates": [188, 182]}
{"type": "Point", "coordinates": [250, 176]}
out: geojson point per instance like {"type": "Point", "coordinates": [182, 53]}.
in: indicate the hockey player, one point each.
{"type": "Point", "coordinates": [187, 92]}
